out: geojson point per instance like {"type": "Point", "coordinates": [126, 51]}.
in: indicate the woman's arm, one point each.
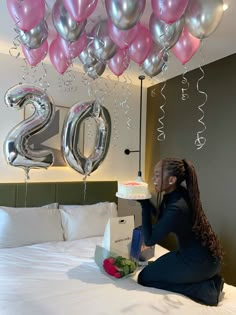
{"type": "Point", "coordinates": [147, 205]}
{"type": "Point", "coordinates": [153, 234]}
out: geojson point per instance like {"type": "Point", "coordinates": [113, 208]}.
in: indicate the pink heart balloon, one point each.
{"type": "Point", "coordinates": [73, 50]}
{"type": "Point", "coordinates": [169, 11]}
{"type": "Point", "coordinates": [141, 46]}
{"type": "Point", "coordinates": [27, 14]}
{"type": "Point", "coordinates": [122, 38]}
{"type": "Point", "coordinates": [79, 10]}
{"type": "Point", "coordinates": [57, 57]}
{"type": "Point", "coordinates": [34, 56]}
{"type": "Point", "coordinates": [186, 46]}
{"type": "Point", "coordinates": [119, 63]}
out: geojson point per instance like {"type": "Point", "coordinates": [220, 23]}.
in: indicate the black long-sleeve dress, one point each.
{"type": "Point", "coordinates": [191, 270]}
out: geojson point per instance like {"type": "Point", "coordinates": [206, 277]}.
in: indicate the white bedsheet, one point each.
{"type": "Point", "coordinates": [61, 278]}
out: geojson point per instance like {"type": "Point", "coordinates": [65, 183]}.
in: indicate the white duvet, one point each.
{"type": "Point", "coordinates": [62, 278]}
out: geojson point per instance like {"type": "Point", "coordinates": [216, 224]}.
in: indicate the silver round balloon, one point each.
{"type": "Point", "coordinates": [95, 70]}
{"type": "Point", "coordinates": [165, 35]}
{"type": "Point", "coordinates": [155, 61]}
{"type": "Point", "coordinates": [104, 47]}
{"type": "Point", "coordinates": [70, 135]}
{"type": "Point", "coordinates": [87, 56]}
{"type": "Point", "coordinates": [203, 17]}
{"type": "Point", "coordinates": [68, 28]}
{"type": "Point", "coordinates": [16, 146]}
{"type": "Point", "coordinates": [125, 13]}
{"type": "Point", "coordinates": [35, 37]}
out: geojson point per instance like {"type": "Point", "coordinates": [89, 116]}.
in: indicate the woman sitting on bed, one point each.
{"type": "Point", "coordinates": [193, 269]}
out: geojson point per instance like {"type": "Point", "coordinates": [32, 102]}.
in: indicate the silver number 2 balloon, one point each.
{"type": "Point", "coordinates": [16, 146]}
{"type": "Point", "coordinates": [70, 135]}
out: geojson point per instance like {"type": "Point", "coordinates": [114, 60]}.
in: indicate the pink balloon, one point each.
{"type": "Point", "coordinates": [73, 50]}
{"type": "Point", "coordinates": [27, 14]}
{"type": "Point", "coordinates": [169, 11]}
{"type": "Point", "coordinates": [119, 63]}
{"type": "Point", "coordinates": [141, 46]}
{"type": "Point", "coordinates": [34, 56]}
{"type": "Point", "coordinates": [122, 38]}
{"type": "Point", "coordinates": [57, 57]}
{"type": "Point", "coordinates": [79, 10]}
{"type": "Point", "coordinates": [186, 46]}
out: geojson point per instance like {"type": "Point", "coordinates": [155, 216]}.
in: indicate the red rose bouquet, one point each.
{"type": "Point", "coordinates": [119, 266]}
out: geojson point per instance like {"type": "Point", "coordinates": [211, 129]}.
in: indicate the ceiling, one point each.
{"type": "Point", "coordinates": [218, 45]}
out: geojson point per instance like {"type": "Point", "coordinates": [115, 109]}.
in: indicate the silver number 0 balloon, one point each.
{"type": "Point", "coordinates": [16, 146]}
{"type": "Point", "coordinates": [70, 135]}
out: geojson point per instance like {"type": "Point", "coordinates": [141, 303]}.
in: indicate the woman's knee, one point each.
{"type": "Point", "coordinates": [142, 279]}
{"type": "Point", "coordinates": [146, 278]}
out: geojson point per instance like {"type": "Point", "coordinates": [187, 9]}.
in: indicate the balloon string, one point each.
{"type": "Point", "coordinates": [115, 132]}
{"type": "Point", "coordinates": [29, 73]}
{"type": "Point", "coordinates": [201, 140]}
{"type": "Point", "coordinates": [85, 80]}
{"type": "Point", "coordinates": [125, 97]}
{"type": "Point", "coordinates": [161, 136]}
{"type": "Point", "coordinates": [115, 123]}
{"type": "Point", "coordinates": [153, 92]}
{"type": "Point", "coordinates": [97, 37]}
{"type": "Point", "coordinates": [85, 187]}
{"type": "Point", "coordinates": [97, 89]}
{"type": "Point", "coordinates": [151, 81]}
{"type": "Point", "coordinates": [43, 82]}
{"type": "Point", "coordinates": [162, 40]}
{"type": "Point", "coordinates": [106, 90]}
{"type": "Point", "coordinates": [185, 83]}
{"type": "Point", "coordinates": [66, 81]}
{"type": "Point", "coordinates": [14, 51]}
{"type": "Point", "coordinates": [26, 71]}
{"type": "Point", "coordinates": [128, 91]}
{"type": "Point", "coordinates": [26, 169]}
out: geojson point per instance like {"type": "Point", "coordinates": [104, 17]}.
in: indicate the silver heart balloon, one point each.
{"type": "Point", "coordinates": [125, 13]}
{"type": "Point", "coordinates": [35, 37]}
{"type": "Point", "coordinates": [203, 17]}
{"type": "Point", "coordinates": [68, 28]}
{"type": "Point", "coordinates": [104, 47]}
{"type": "Point", "coordinates": [96, 70]}
{"type": "Point", "coordinates": [155, 61]}
{"type": "Point", "coordinates": [87, 56]}
{"type": "Point", "coordinates": [163, 34]}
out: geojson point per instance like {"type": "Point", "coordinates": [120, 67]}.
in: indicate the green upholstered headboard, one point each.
{"type": "Point", "coordinates": [38, 194]}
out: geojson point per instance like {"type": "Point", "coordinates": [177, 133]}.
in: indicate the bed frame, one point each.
{"type": "Point", "coordinates": [39, 194]}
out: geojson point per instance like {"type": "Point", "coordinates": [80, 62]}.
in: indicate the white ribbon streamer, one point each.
{"type": "Point", "coordinates": [201, 140]}
{"type": "Point", "coordinates": [161, 133]}
{"type": "Point", "coordinates": [185, 84]}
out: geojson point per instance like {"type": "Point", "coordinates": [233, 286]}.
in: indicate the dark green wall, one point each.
{"type": "Point", "coordinates": [215, 162]}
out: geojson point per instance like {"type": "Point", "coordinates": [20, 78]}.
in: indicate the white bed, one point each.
{"type": "Point", "coordinates": [62, 278]}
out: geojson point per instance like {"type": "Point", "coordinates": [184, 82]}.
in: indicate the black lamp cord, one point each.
{"type": "Point", "coordinates": [141, 78]}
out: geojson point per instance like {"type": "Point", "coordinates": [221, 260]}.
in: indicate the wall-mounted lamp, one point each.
{"type": "Point", "coordinates": [127, 151]}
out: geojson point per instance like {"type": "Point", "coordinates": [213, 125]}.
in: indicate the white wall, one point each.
{"type": "Point", "coordinates": [117, 165]}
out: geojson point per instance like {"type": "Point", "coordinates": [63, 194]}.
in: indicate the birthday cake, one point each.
{"type": "Point", "coordinates": [133, 190]}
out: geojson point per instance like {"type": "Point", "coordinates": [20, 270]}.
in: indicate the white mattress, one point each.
{"type": "Point", "coordinates": [61, 278]}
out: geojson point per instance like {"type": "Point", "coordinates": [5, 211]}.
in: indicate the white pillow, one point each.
{"type": "Point", "coordinates": [27, 226]}
{"type": "Point", "coordinates": [80, 221]}
{"type": "Point", "coordinates": [53, 205]}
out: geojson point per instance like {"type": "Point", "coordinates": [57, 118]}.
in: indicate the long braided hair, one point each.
{"type": "Point", "coordinates": [184, 170]}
